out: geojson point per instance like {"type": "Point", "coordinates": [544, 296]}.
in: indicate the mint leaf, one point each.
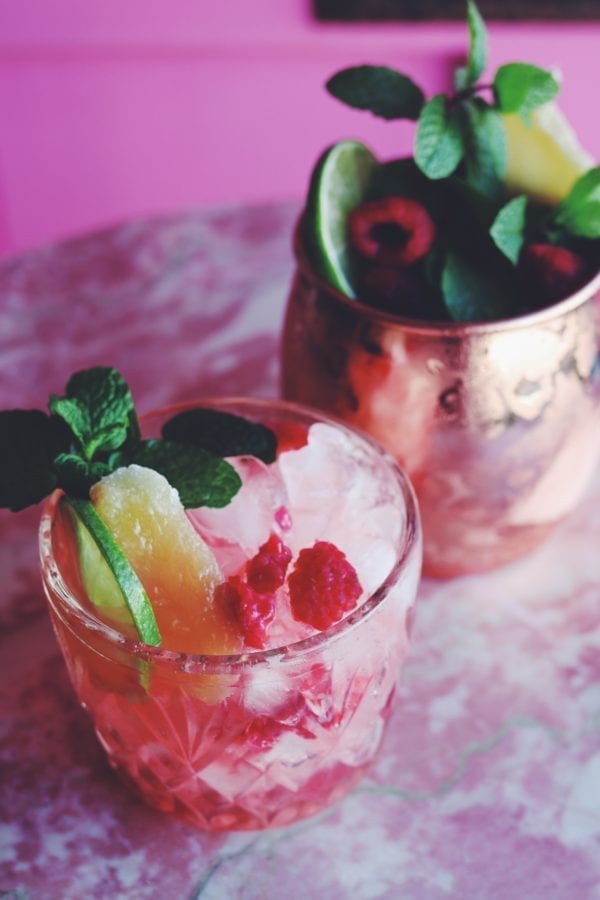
{"type": "Point", "coordinates": [508, 228]}
{"type": "Point", "coordinates": [379, 89]}
{"type": "Point", "coordinates": [579, 212]}
{"type": "Point", "coordinates": [200, 478]}
{"type": "Point", "coordinates": [222, 433]}
{"type": "Point", "coordinates": [73, 413]}
{"type": "Point", "coordinates": [520, 87]}
{"type": "Point", "coordinates": [29, 442]}
{"type": "Point", "coordinates": [469, 295]}
{"type": "Point", "coordinates": [439, 143]}
{"type": "Point", "coordinates": [76, 475]}
{"type": "Point", "coordinates": [478, 48]}
{"type": "Point", "coordinates": [98, 408]}
{"type": "Point", "coordinates": [484, 140]}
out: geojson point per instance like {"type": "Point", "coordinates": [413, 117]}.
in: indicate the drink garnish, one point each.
{"type": "Point", "coordinates": [92, 432]}
{"type": "Point", "coordinates": [97, 578]}
{"type": "Point", "coordinates": [146, 517]}
{"type": "Point", "coordinates": [222, 433]}
{"type": "Point", "coordinates": [323, 586]}
{"type": "Point", "coordinates": [339, 182]}
{"type": "Point", "coordinates": [467, 165]}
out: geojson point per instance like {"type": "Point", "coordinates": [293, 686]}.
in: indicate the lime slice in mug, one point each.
{"type": "Point", "coordinates": [339, 184]}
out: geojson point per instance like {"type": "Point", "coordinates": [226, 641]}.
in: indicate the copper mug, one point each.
{"type": "Point", "coordinates": [496, 423]}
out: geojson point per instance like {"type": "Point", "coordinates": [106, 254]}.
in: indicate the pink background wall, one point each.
{"type": "Point", "coordinates": [121, 108]}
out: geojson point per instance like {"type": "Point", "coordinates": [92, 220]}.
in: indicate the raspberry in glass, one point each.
{"type": "Point", "coordinates": [323, 586]}
{"type": "Point", "coordinates": [265, 572]}
{"type": "Point", "coordinates": [251, 610]}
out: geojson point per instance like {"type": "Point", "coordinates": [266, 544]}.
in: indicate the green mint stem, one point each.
{"type": "Point", "coordinates": [129, 584]}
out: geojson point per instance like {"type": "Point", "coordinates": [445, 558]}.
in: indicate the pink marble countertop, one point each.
{"type": "Point", "coordinates": [488, 784]}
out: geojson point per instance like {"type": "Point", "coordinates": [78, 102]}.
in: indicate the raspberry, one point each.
{"type": "Point", "coordinates": [553, 271]}
{"type": "Point", "coordinates": [252, 610]}
{"type": "Point", "coordinates": [323, 586]}
{"type": "Point", "coordinates": [265, 572]}
{"type": "Point", "coordinates": [393, 232]}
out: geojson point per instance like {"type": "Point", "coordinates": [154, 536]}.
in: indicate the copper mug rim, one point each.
{"type": "Point", "coordinates": [447, 329]}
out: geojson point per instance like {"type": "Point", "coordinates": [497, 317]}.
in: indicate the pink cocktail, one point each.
{"type": "Point", "coordinates": [289, 722]}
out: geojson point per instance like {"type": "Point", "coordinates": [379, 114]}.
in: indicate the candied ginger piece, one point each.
{"type": "Point", "coordinates": [178, 570]}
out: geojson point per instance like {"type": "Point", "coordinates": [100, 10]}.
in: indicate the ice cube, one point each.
{"type": "Point", "coordinates": [264, 691]}
{"type": "Point", "coordinates": [236, 531]}
{"type": "Point", "coordinates": [337, 494]}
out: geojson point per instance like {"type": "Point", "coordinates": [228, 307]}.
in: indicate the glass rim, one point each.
{"type": "Point", "coordinates": [55, 586]}
{"type": "Point", "coordinates": [440, 328]}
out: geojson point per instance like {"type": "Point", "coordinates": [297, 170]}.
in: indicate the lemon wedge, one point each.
{"type": "Point", "coordinates": [545, 158]}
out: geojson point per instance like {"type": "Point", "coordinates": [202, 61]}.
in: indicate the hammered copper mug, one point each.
{"type": "Point", "coordinates": [497, 423]}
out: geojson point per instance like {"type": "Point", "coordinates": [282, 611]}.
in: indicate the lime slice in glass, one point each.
{"type": "Point", "coordinates": [339, 184]}
{"type": "Point", "coordinates": [108, 577]}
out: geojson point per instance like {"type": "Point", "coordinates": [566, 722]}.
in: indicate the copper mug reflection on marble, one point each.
{"type": "Point", "coordinates": [496, 423]}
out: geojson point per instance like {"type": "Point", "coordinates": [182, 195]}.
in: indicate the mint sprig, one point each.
{"type": "Point", "coordinates": [460, 148]}
{"type": "Point", "coordinates": [98, 408]}
{"type": "Point", "coordinates": [441, 143]}
{"type": "Point", "coordinates": [93, 429]}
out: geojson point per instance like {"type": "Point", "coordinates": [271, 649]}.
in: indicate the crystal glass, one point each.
{"type": "Point", "coordinates": [496, 423]}
{"type": "Point", "coordinates": [262, 738]}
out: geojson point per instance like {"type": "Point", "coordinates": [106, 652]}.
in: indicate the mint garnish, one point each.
{"type": "Point", "coordinates": [92, 431]}
{"type": "Point", "coordinates": [445, 134]}
{"type": "Point", "coordinates": [520, 88]}
{"type": "Point", "coordinates": [439, 144]}
{"type": "Point", "coordinates": [29, 443]}
{"type": "Point", "coordinates": [579, 212]}
{"type": "Point", "coordinates": [222, 433]}
{"type": "Point", "coordinates": [508, 228]}
{"type": "Point", "coordinates": [469, 294]}
{"type": "Point", "coordinates": [76, 475]}
{"type": "Point", "coordinates": [379, 89]}
{"type": "Point", "coordinates": [484, 148]}
{"type": "Point", "coordinates": [200, 478]}
{"type": "Point", "coordinates": [466, 76]}
{"type": "Point", "coordinates": [460, 146]}
{"type": "Point", "coordinates": [98, 408]}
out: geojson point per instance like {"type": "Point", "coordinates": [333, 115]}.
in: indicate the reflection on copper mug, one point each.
{"type": "Point", "coordinates": [497, 423]}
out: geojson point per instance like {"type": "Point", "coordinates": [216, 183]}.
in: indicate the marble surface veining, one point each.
{"type": "Point", "coordinates": [488, 783]}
